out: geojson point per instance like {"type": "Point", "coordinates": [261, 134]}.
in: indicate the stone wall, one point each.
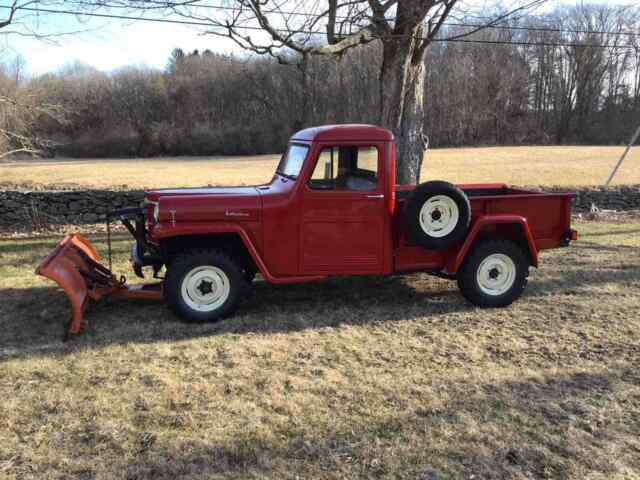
{"type": "Point", "coordinates": [624, 197]}
{"type": "Point", "coordinates": [63, 207]}
{"type": "Point", "coordinates": [37, 208]}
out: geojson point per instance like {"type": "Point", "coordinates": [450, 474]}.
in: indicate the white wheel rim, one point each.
{"type": "Point", "coordinates": [439, 215]}
{"type": "Point", "coordinates": [496, 274]}
{"type": "Point", "coordinates": [205, 288]}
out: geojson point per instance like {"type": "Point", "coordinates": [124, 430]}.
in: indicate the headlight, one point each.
{"type": "Point", "coordinates": [156, 212]}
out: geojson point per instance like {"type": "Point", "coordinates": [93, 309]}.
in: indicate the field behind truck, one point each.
{"type": "Point", "coordinates": [369, 378]}
{"type": "Point", "coordinates": [563, 165]}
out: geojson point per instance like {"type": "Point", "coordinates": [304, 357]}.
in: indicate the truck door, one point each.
{"type": "Point", "coordinates": [342, 215]}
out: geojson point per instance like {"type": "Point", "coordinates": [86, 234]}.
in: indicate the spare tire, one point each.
{"type": "Point", "coordinates": [437, 215]}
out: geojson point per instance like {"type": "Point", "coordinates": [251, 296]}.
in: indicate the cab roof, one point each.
{"type": "Point", "coordinates": [347, 132]}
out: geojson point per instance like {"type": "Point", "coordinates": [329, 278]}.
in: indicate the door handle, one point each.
{"type": "Point", "coordinates": [375, 196]}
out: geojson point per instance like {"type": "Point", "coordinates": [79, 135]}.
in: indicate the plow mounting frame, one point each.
{"type": "Point", "coordinates": [75, 266]}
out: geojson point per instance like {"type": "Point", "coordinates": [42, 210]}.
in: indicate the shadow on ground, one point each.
{"type": "Point", "coordinates": [33, 319]}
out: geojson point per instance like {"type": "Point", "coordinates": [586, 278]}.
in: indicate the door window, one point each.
{"type": "Point", "coordinates": [346, 167]}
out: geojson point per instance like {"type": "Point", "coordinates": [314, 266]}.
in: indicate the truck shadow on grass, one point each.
{"type": "Point", "coordinates": [34, 318]}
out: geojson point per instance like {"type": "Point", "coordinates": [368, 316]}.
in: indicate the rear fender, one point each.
{"type": "Point", "coordinates": [497, 226]}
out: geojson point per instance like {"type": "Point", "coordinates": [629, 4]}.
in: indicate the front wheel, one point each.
{"type": "Point", "coordinates": [204, 285]}
{"type": "Point", "coordinates": [494, 274]}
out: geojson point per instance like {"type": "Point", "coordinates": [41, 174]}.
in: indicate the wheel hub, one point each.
{"type": "Point", "coordinates": [205, 288]}
{"type": "Point", "coordinates": [439, 216]}
{"type": "Point", "coordinates": [496, 274]}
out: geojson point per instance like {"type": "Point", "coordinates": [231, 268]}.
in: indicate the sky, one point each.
{"type": "Point", "coordinates": [108, 44]}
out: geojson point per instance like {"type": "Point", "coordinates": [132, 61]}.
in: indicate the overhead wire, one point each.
{"type": "Point", "coordinates": [309, 32]}
{"type": "Point", "coordinates": [496, 26]}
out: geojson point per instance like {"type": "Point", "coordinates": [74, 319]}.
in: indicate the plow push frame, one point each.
{"type": "Point", "coordinates": [75, 266]}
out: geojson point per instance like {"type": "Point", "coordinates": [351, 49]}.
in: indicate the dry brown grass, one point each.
{"type": "Point", "coordinates": [352, 378]}
{"type": "Point", "coordinates": [516, 165]}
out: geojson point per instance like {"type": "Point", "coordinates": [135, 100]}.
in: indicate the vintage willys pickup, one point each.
{"type": "Point", "coordinates": [332, 208]}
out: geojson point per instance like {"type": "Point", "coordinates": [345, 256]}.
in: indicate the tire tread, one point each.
{"type": "Point", "coordinates": [467, 273]}
{"type": "Point", "coordinates": [422, 192]}
{"type": "Point", "coordinates": [183, 262]}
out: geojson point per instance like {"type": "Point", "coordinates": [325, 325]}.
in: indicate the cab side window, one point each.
{"type": "Point", "coordinates": [346, 168]}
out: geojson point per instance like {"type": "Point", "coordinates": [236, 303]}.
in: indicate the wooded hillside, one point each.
{"type": "Point", "coordinates": [523, 92]}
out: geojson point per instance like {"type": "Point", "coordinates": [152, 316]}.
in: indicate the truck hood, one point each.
{"type": "Point", "coordinates": [237, 204]}
{"type": "Point", "coordinates": [153, 195]}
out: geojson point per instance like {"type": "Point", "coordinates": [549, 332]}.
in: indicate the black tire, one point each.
{"type": "Point", "coordinates": [426, 192]}
{"type": "Point", "coordinates": [249, 275]}
{"type": "Point", "coordinates": [217, 265]}
{"type": "Point", "coordinates": [468, 281]}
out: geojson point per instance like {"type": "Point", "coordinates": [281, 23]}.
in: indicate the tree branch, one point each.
{"type": "Point", "coordinates": [12, 13]}
{"type": "Point", "coordinates": [495, 21]}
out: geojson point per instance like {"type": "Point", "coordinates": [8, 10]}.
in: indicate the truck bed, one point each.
{"type": "Point", "coordinates": [548, 216]}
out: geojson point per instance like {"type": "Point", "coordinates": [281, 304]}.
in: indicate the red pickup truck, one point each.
{"type": "Point", "coordinates": [333, 208]}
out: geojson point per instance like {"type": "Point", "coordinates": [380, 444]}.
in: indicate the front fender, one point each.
{"type": "Point", "coordinates": [489, 220]}
{"type": "Point", "coordinates": [162, 231]}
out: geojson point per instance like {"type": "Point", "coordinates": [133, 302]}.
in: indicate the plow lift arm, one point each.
{"type": "Point", "coordinates": [75, 266]}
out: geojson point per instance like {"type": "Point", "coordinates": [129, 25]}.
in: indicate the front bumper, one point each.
{"type": "Point", "coordinates": [143, 253]}
{"type": "Point", "coordinates": [136, 261]}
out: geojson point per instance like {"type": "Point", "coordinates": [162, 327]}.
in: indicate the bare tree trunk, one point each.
{"type": "Point", "coordinates": [307, 114]}
{"type": "Point", "coordinates": [402, 78]}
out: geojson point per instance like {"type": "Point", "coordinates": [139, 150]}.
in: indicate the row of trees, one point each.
{"type": "Point", "coordinates": [496, 94]}
{"type": "Point", "coordinates": [475, 93]}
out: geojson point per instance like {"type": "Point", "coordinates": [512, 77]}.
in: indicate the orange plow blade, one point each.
{"type": "Point", "coordinates": [75, 266]}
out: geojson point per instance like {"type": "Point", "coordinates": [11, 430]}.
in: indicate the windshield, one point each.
{"type": "Point", "coordinates": [292, 161]}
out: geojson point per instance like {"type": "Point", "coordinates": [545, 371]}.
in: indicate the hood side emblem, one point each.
{"type": "Point", "coordinates": [173, 217]}
{"type": "Point", "coordinates": [229, 213]}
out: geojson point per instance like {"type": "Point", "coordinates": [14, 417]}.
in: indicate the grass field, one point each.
{"type": "Point", "coordinates": [358, 378]}
{"type": "Point", "coordinates": [568, 166]}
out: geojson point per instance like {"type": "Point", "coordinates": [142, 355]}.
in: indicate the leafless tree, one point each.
{"type": "Point", "coordinates": [309, 28]}
{"type": "Point", "coordinates": [21, 109]}
{"type": "Point", "coordinates": [519, 88]}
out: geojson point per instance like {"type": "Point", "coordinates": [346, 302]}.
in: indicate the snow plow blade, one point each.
{"type": "Point", "coordinates": [75, 266]}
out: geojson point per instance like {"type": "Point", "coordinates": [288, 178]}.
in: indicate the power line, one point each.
{"type": "Point", "coordinates": [448, 24]}
{"type": "Point", "coordinates": [546, 29]}
{"type": "Point", "coordinates": [534, 44]}
{"type": "Point", "coordinates": [110, 15]}
{"type": "Point", "coordinates": [248, 27]}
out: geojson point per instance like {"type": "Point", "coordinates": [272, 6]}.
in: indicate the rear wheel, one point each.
{"type": "Point", "coordinates": [204, 285]}
{"type": "Point", "coordinates": [494, 274]}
